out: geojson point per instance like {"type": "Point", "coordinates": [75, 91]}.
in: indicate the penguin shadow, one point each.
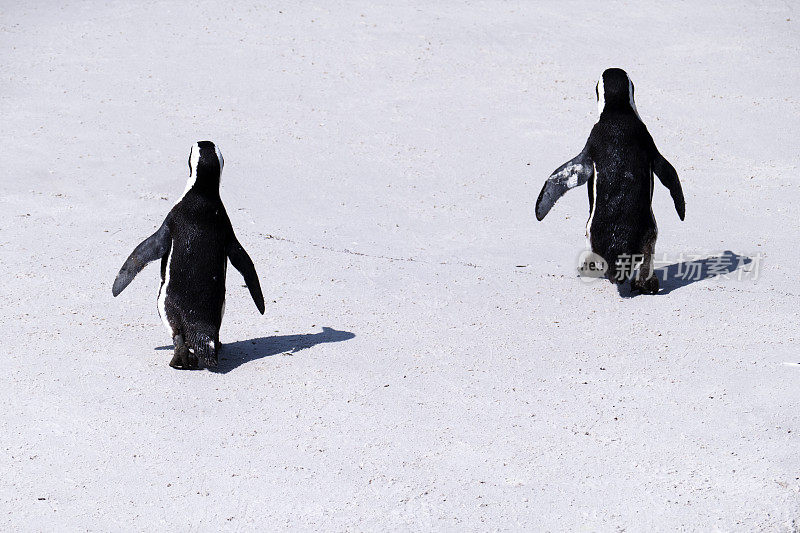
{"type": "Point", "coordinates": [234, 354]}
{"type": "Point", "coordinates": [678, 275]}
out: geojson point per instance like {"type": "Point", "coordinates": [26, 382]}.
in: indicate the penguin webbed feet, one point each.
{"type": "Point", "coordinates": [183, 359]}
{"type": "Point", "coordinates": [647, 286]}
{"type": "Point", "coordinates": [206, 349]}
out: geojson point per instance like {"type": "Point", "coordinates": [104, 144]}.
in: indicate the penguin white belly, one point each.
{"type": "Point", "coordinates": [162, 295]}
{"type": "Point", "coordinates": [224, 275]}
{"type": "Point", "coordinates": [594, 206]}
{"type": "Point", "coordinates": [652, 215]}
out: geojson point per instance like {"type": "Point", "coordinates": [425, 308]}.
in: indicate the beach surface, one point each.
{"type": "Point", "coordinates": [429, 358]}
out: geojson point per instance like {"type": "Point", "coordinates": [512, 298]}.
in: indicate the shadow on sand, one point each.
{"type": "Point", "coordinates": [234, 354]}
{"type": "Point", "coordinates": [677, 275]}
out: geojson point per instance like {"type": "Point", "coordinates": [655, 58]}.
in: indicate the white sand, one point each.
{"type": "Point", "coordinates": [396, 153]}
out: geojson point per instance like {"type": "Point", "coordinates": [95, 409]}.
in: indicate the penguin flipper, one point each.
{"type": "Point", "coordinates": [242, 262]}
{"type": "Point", "coordinates": [669, 178]}
{"type": "Point", "coordinates": [571, 174]}
{"type": "Point", "coordinates": [152, 248]}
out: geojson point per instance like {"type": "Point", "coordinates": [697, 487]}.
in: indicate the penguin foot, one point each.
{"type": "Point", "coordinates": [183, 359]}
{"type": "Point", "coordinates": [207, 350]}
{"type": "Point", "coordinates": [648, 286]}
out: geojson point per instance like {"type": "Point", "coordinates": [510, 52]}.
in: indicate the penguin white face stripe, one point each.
{"type": "Point", "coordinates": [219, 158]}
{"type": "Point", "coordinates": [601, 96]}
{"type": "Point", "coordinates": [221, 161]}
{"type": "Point", "coordinates": [194, 158]}
{"type": "Point", "coordinates": [630, 96]}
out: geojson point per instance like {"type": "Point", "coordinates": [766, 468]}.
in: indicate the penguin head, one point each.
{"type": "Point", "coordinates": [205, 167]}
{"type": "Point", "coordinates": [615, 92]}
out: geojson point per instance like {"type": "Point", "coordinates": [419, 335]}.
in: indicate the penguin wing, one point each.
{"type": "Point", "coordinates": [152, 248]}
{"type": "Point", "coordinates": [669, 178]}
{"type": "Point", "coordinates": [242, 262]}
{"type": "Point", "coordinates": [571, 174]}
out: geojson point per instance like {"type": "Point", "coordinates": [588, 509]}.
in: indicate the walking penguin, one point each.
{"type": "Point", "coordinates": [618, 162]}
{"type": "Point", "coordinates": [194, 244]}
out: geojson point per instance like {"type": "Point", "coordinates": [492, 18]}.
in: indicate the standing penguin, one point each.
{"type": "Point", "coordinates": [618, 162]}
{"type": "Point", "coordinates": [194, 244]}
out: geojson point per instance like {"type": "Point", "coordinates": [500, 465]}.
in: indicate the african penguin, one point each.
{"type": "Point", "coordinates": [618, 162]}
{"type": "Point", "coordinates": [194, 244]}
